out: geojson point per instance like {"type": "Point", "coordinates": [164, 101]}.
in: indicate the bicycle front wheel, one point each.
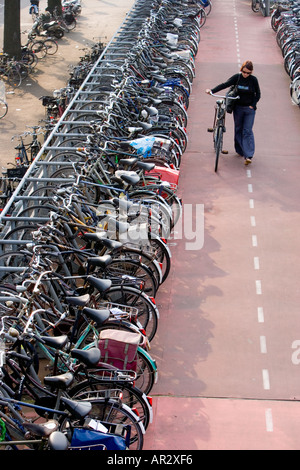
{"type": "Point", "coordinates": [3, 109]}
{"type": "Point", "coordinates": [218, 141]}
{"type": "Point", "coordinates": [14, 77]}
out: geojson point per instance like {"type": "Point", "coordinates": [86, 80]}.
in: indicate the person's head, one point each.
{"type": "Point", "coordinates": [247, 68]}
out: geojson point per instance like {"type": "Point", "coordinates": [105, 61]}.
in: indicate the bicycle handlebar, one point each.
{"type": "Point", "coordinates": [220, 96]}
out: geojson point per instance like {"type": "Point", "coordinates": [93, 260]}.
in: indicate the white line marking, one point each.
{"type": "Point", "coordinates": [248, 172]}
{"type": "Point", "coordinates": [251, 203]}
{"type": "Point", "coordinates": [254, 240]}
{"type": "Point", "coordinates": [260, 315]}
{"type": "Point", "coordinates": [250, 188]}
{"type": "Point", "coordinates": [258, 287]}
{"type": "Point", "coordinates": [256, 262]}
{"type": "Point", "coordinates": [253, 221]}
{"type": "Point", "coordinates": [269, 420]}
{"type": "Point", "coordinates": [266, 379]}
{"type": "Point", "coordinates": [263, 344]}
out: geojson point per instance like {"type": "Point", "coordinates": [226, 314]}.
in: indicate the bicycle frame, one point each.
{"type": "Point", "coordinates": [219, 128]}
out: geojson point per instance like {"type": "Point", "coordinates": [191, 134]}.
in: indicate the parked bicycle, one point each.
{"type": "Point", "coordinates": [28, 151]}
{"type": "Point", "coordinates": [10, 70]}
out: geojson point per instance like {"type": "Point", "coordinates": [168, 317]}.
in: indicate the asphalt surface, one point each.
{"type": "Point", "coordinates": [228, 342]}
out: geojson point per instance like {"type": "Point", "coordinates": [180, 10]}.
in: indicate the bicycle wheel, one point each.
{"type": "Point", "coordinates": [29, 58]}
{"type": "Point", "coordinates": [148, 314]}
{"type": "Point", "coordinates": [38, 48]}
{"type": "Point", "coordinates": [3, 109]}
{"type": "Point", "coordinates": [108, 410]}
{"type": "Point", "coordinates": [146, 372]}
{"type": "Point", "coordinates": [295, 91]}
{"type": "Point", "coordinates": [129, 267]}
{"type": "Point", "coordinates": [88, 187]}
{"type": "Point", "coordinates": [12, 265]}
{"type": "Point", "coordinates": [255, 6]}
{"type": "Point", "coordinates": [16, 235]}
{"type": "Point", "coordinates": [14, 77]}
{"type": "Point", "coordinates": [218, 141]}
{"type": "Point", "coordinates": [51, 46]}
{"type": "Point", "coordinates": [131, 395]}
{"type": "Point", "coordinates": [42, 211]}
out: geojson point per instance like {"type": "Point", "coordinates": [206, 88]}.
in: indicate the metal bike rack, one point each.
{"type": "Point", "coordinates": [39, 172]}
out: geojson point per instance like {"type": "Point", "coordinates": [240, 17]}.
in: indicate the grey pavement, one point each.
{"type": "Point", "coordinates": [100, 19]}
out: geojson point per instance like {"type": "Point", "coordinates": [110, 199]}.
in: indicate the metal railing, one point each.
{"type": "Point", "coordinates": [40, 171]}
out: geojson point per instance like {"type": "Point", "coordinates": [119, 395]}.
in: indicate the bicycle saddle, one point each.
{"type": "Point", "coordinates": [100, 238]}
{"type": "Point", "coordinates": [98, 316]}
{"type": "Point", "coordinates": [146, 166]}
{"type": "Point", "coordinates": [79, 301]}
{"type": "Point", "coordinates": [78, 409]}
{"type": "Point", "coordinates": [57, 342]}
{"type": "Point", "coordinates": [42, 429]}
{"type": "Point", "coordinates": [101, 285]}
{"type": "Point", "coordinates": [62, 381]}
{"type": "Point", "coordinates": [90, 358]}
{"type": "Point", "coordinates": [100, 261]}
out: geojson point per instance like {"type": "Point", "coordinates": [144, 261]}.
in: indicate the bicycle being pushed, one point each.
{"type": "Point", "coordinates": [219, 128]}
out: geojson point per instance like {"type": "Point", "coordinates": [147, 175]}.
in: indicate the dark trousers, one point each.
{"type": "Point", "coordinates": [243, 133]}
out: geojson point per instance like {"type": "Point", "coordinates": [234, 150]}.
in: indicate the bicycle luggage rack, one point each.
{"type": "Point", "coordinates": [41, 168]}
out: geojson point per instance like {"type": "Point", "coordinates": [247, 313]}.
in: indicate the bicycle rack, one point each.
{"type": "Point", "coordinates": [41, 169]}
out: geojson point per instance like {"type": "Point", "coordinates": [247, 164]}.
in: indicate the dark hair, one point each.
{"type": "Point", "coordinates": [248, 65]}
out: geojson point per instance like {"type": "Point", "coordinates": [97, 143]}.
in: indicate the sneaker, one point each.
{"type": "Point", "coordinates": [248, 161]}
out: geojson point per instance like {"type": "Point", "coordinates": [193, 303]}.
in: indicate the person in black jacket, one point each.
{"type": "Point", "coordinates": [244, 109]}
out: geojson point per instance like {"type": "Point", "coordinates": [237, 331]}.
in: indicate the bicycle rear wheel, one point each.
{"type": "Point", "coordinates": [109, 411]}
{"type": "Point", "coordinates": [132, 396]}
{"type": "Point", "coordinates": [14, 77]}
{"type": "Point", "coordinates": [51, 46]}
{"type": "Point", "coordinates": [3, 109]}
{"type": "Point", "coordinates": [39, 49]}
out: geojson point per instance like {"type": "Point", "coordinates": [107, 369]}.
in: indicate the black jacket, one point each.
{"type": "Point", "coordinates": [249, 91]}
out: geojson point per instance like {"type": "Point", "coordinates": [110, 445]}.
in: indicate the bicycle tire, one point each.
{"type": "Point", "coordinates": [19, 233]}
{"type": "Point", "coordinates": [36, 211]}
{"type": "Point", "coordinates": [255, 6]}
{"type": "Point", "coordinates": [295, 91]}
{"type": "Point", "coordinates": [51, 46]}
{"type": "Point", "coordinates": [218, 145]}
{"type": "Point", "coordinates": [109, 411]}
{"type": "Point", "coordinates": [146, 373]}
{"type": "Point", "coordinates": [14, 77]}
{"type": "Point", "coordinates": [38, 48]}
{"type": "Point", "coordinates": [3, 109]}
{"type": "Point", "coordinates": [90, 189]}
{"type": "Point", "coordinates": [145, 258]}
{"type": "Point", "coordinates": [15, 260]}
{"type": "Point", "coordinates": [131, 395]}
{"type": "Point", "coordinates": [148, 314]}
{"type": "Point", "coordinates": [135, 269]}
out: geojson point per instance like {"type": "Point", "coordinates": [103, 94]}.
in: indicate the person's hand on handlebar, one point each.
{"type": "Point", "coordinates": [208, 91]}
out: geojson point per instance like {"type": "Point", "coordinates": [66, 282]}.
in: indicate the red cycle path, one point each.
{"type": "Point", "coordinates": [230, 326]}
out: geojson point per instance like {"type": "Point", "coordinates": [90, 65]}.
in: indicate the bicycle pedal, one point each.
{"type": "Point", "coordinates": [210, 129]}
{"type": "Point", "coordinates": [225, 152]}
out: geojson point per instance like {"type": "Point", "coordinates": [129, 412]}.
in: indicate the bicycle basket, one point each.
{"type": "Point", "coordinates": [17, 172]}
{"type": "Point", "coordinates": [88, 439]}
